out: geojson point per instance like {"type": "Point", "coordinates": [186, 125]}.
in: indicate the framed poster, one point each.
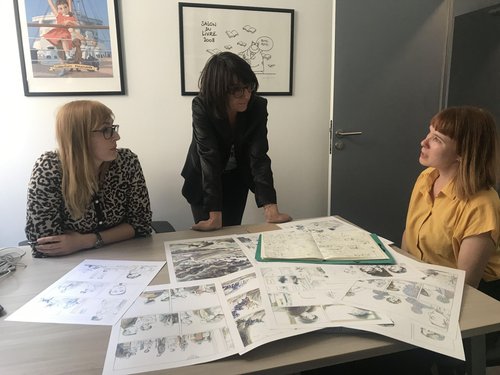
{"type": "Point", "coordinates": [70, 47]}
{"type": "Point", "coordinates": [261, 36]}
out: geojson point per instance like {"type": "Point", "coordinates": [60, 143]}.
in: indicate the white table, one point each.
{"type": "Point", "coordinates": [42, 348]}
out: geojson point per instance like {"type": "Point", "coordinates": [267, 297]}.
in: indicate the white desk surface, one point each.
{"type": "Point", "coordinates": [43, 348]}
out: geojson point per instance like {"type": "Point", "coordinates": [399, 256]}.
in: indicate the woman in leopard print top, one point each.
{"type": "Point", "coordinates": [88, 192]}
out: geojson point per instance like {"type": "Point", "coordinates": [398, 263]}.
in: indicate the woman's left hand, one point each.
{"type": "Point", "coordinates": [214, 222]}
{"type": "Point", "coordinates": [273, 215]}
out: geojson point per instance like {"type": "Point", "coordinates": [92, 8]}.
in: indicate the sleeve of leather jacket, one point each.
{"type": "Point", "coordinates": [260, 163]}
{"type": "Point", "coordinates": [205, 137]}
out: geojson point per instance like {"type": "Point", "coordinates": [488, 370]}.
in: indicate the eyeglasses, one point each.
{"type": "Point", "coordinates": [108, 131]}
{"type": "Point", "coordinates": [238, 91]}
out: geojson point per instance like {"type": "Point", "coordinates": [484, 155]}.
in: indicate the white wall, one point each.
{"type": "Point", "coordinates": [156, 120]}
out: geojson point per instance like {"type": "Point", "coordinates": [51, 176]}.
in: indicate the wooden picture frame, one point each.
{"type": "Point", "coordinates": [76, 53]}
{"type": "Point", "coordinates": [262, 36]}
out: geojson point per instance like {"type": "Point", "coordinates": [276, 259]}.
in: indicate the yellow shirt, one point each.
{"type": "Point", "coordinates": [435, 229]}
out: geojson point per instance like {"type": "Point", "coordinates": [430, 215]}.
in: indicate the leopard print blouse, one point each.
{"type": "Point", "coordinates": [123, 198]}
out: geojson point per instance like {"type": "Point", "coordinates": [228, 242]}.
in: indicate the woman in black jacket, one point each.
{"type": "Point", "coordinates": [228, 151]}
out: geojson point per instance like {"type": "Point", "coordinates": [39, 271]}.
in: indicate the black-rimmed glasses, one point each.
{"type": "Point", "coordinates": [108, 131]}
{"type": "Point", "coordinates": [238, 91]}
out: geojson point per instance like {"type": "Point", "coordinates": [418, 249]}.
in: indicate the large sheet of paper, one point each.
{"type": "Point", "coordinates": [94, 292]}
{"type": "Point", "coordinates": [425, 310]}
{"type": "Point", "coordinates": [191, 322]}
{"type": "Point", "coordinates": [169, 327]}
{"type": "Point", "coordinates": [306, 295]}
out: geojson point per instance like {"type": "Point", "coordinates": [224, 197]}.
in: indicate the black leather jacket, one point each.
{"type": "Point", "coordinates": [209, 152]}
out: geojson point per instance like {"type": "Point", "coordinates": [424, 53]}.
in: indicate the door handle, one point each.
{"type": "Point", "coordinates": [340, 133]}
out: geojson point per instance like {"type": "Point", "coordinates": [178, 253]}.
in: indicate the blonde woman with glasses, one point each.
{"type": "Point", "coordinates": [87, 193]}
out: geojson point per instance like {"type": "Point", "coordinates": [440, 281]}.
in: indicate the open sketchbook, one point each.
{"type": "Point", "coordinates": [344, 247]}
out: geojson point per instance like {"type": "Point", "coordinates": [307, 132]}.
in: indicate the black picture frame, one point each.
{"type": "Point", "coordinates": [262, 36]}
{"type": "Point", "coordinates": [84, 60]}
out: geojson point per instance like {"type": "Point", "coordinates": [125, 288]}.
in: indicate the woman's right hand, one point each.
{"type": "Point", "coordinates": [64, 244]}
{"type": "Point", "coordinates": [214, 222]}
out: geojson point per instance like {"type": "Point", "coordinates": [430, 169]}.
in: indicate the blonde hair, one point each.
{"type": "Point", "coordinates": [474, 132]}
{"type": "Point", "coordinates": [74, 123]}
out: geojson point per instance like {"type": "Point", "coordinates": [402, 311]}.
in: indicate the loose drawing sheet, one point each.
{"type": "Point", "coordinates": [94, 292]}
{"type": "Point", "coordinates": [205, 258]}
{"type": "Point", "coordinates": [191, 322]}
{"type": "Point", "coordinates": [243, 295]}
{"type": "Point", "coordinates": [170, 326]}
{"type": "Point", "coordinates": [425, 310]}
{"type": "Point", "coordinates": [307, 296]}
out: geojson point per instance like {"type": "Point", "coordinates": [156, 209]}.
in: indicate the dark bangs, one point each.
{"type": "Point", "coordinates": [221, 73]}
{"type": "Point", "coordinates": [448, 121]}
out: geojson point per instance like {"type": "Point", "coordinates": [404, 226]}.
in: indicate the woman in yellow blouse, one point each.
{"type": "Point", "coordinates": [453, 217]}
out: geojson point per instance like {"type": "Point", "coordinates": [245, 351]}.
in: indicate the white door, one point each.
{"type": "Point", "coordinates": [389, 58]}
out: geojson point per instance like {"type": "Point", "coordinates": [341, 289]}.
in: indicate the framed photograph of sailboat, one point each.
{"type": "Point", "coordinates": [69, 47]}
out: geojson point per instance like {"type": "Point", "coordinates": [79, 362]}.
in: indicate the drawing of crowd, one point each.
{"type": "Point", "coordinates": [233, 286]}
{"type": "Point", "coordinates": [170, 323]}
{"type": "Point", "coordinates": [245, 303]}
{"type": "Point", "coordinates": [168, 344]}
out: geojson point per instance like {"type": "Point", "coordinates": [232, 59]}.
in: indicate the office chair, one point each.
{"type": "Point", "coordinates": [493, 349]}
{"type": "Point", "coordinates": [162, 226]}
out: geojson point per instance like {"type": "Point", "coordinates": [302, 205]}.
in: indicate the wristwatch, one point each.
{"type": "Point", "coordinates": [98, 242]}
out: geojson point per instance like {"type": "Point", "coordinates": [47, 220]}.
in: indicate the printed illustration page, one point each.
{"type": "Point", "coordinates": [345, 245]}
{"type": "Point", "coordinates": [246, 304]}
{"type": "Point", "coordinates": [204, 258]}
{"type": "Point", "coordinates": [94, 292]}
{"type": "Point", "coordinates": [425, 310]}
{"type": "Point", "coordinates": [248, 243]}
{"type": "Point", "coordinates": [183, 324]}
{"type": "Point", "coordinates": [284, 244]}
{"type": "Point", "coordinates": [306, 296]}
{"type": "Point", "coordinates": [171, 326]}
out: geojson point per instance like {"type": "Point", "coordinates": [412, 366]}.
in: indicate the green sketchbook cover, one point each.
{"type": "Point", "coordinates": [388, 260]}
